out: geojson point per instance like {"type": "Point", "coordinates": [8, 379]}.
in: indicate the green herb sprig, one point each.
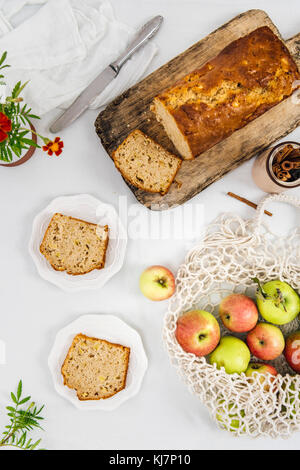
{"type": "Point", "coordinates": [22, 420]}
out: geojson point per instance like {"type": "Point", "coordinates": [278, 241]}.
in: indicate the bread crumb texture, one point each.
{"type": "Point", "coordinates": [74, 246]}
{"type": "Point", "coordinates": [145, 164]}
{"type": "Point", "coordinates": [95, 368]}
{"type": "Point", "coordinates": [247, 78]}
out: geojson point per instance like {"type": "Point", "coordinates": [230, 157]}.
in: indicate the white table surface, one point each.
{"type": "Point", "coordinates": [164, 415]}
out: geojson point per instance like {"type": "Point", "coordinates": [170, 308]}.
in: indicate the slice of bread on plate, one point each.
{"type": "Point", "coordinates": [95, 368]}
{"type": "Point", "coordinates": [73, 245]}
{"type": "Point", "coordinates": [146, 164]}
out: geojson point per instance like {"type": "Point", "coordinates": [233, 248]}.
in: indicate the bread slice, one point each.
{"type": "Point", "coordinates": [145, 164]}
{"type": "Point", "coordinates": [95, 368]}
{"type": "Point", "coordinates": [73, 245]}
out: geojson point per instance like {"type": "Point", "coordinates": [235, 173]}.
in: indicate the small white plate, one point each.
{"type": "Point", "coordinates": [114, 330]}
{"type": "Point", "coordinates": [90, 209]}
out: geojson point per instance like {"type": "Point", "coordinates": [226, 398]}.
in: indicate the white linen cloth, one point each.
{"type": "Point", "coordinates": [63, 46]}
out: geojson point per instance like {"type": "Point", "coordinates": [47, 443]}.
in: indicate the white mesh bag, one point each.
{"type": "Point", "coordinates": [231, 252]}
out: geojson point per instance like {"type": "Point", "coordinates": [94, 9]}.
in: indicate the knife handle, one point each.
{"type": "Point", "coordinates": [146, 32]}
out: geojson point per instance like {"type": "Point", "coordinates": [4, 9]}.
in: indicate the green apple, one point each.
{"type": "Point", "coordinates": [232, 354]}
{"type": "Point", "coordinates": [277, 302]}
{"type": "Point", "coordinates": [293, 400]}
{"type": "Point", "coordinates": [234, 422]}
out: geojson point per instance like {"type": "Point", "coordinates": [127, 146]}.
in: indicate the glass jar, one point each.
{"type": "Point", "coordinates": [263, 174]}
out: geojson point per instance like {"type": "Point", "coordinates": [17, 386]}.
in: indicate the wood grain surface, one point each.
{"type": "Point", "coordinates": [131, 110]}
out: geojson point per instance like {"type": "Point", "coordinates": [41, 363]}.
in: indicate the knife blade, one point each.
{"type": "Point", "coordinates": [85, 98]}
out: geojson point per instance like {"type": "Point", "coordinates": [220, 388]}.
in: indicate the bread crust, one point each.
{"type": "Point", "coordinates": [81, 336]}
{"type": "Point", "coordinates": [135, 183]}
{"type": "Point", "coordinates": [247, 78]}
{"type": "Point", "coordinates": [42, 246]}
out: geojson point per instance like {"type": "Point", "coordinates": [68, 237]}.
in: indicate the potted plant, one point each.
{"type": "Point", "coordinates": [18, 137]}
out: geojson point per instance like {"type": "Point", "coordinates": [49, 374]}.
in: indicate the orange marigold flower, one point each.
{"type": "Point", "coordinates": [54, 147]}
{"type": "Point", "coordinates": [5, 126]}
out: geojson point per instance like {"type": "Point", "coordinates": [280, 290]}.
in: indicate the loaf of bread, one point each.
{"type": "Point", "coordinates": [247, 78]}
{"type": "Point", "coordinates": [145, 164]}
{"type": "Point", "coordinates": [95, 368]}
{"type": "Point", "coordinates": [73, 245]}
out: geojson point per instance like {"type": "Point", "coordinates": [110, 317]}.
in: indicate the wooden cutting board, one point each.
{"type": "Point", "coordinates": [131, 111]}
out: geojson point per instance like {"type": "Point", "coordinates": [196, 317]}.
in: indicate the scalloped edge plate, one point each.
{"type": "Point", "coordinates": [112, 329]}
{"type": "Point", "coordinates": [85, 207]}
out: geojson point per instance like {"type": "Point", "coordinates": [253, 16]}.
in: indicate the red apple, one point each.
{"type": "Point", "coordinates": [198, 332]}
{"type": "Point", "coordinates": [238, 313]}
{"type": "Point", "coordinates": [157, 283]}
{"type": "Point", "coordinates": [265, 341]}
{"type": "Point", "coordinates": [292, 351]}
{"type": "Point", "coordinates": [262, 369]}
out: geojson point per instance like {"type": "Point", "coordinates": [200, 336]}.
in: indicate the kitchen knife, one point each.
{"type": "Point", "coordinates": [83, 101]}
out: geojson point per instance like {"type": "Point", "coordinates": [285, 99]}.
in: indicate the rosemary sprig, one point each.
{"type": "Point", "coordinates": [21, 422]}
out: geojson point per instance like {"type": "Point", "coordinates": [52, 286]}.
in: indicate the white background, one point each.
{"type": "Point", "coordinates": [164, 415]}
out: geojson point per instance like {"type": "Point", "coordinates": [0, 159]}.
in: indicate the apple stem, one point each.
{"type": "Point", "coordinates": [260, 289]}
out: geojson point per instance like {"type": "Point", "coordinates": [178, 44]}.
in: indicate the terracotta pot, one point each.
{"type": "Point", "coordinates": [27, 155]}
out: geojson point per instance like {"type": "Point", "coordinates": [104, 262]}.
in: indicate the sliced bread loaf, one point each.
{"type": "Point", "coordinates": [145, 164]}
{"type": "Point", "coordinates": [95, 368]}
{"type": "Point", "coordinates": [73, 245]}
{"type": "Point", "coordinates": [250, 76]}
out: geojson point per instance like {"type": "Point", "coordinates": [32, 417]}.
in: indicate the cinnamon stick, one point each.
{"type": "Point", "coordinates": [246, 201]}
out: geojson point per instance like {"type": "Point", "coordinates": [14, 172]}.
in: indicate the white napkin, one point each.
{"type": "Point", "coordinates": [63, 47]}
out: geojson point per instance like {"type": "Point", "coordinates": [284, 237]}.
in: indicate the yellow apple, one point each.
{"type": "Point", "coordinates": [157, 283]}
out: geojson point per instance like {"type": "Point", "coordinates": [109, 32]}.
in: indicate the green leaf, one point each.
{"type": "Point", "coordinates": [23, 133]}
{"type": "Point", "coordinates": [19, 390]}
{"type": "Point", "coordinates": [15, 90]}
{"type": "Point", "coordinates": [10, 157]}
{"type": "Point", "coordinates": [16, 149]}
{"type": "Point", "coordinates": [3, 57]}
{"type": "Point", "coordinates": [13, 397]}
{"type": "Point", "coordinates": [22, 87]}
{"type": "Point", "coordinates": [28, 443]}
{"type": "Point", "coordinates": [24, 400]}
{"type": "Point", "coordinates": [33, 116]}
{"type": "Point", "coordinates": [28, 141]}
{"type": "Point", "coordinates": [10, 408]}
{"type": "Point", "coordinates": [22, 439]}
{"type": "Point", "coordinates": [35, 445]}
{"type": "Point", "coordinates": [18, 89]}
{"type": "Point", "coordinates": [41, 409]}
{"type": "Point", "coordinates": [4, 154]}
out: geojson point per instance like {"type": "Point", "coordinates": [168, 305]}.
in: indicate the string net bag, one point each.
{"type": "Point", "coordinates": [232, 252]}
